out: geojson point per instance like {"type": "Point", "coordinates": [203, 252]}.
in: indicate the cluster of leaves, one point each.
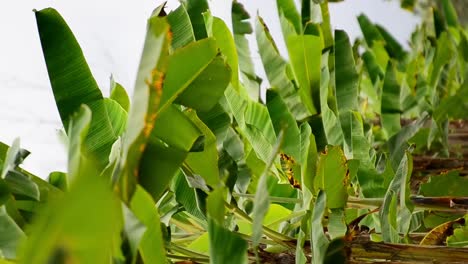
{"type": "Point", "coordinates": [199, 168]}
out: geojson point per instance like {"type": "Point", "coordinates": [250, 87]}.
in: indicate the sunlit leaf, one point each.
{"type": "Point", "coordinates": [276, 68]}
{"type": "Point", "coordinates": [78, 130]}
{"type": "Point", "coordinates": [151, 246]}
{"type": "Point", "coordinates": [159, 164]}
{"type": "Point", "coordinates": [459, 238]}
{"type": "Point", "coordinates": [215, 206]}
{"type": "Point", "coordinates": [332, 176]}
{"type": "Point", "coordinates": [119, 95]}
{"type": "Point", "coordinates": [209, 85]}
{"type": "Point", "coordinates": [450, 13]}
{"type": "Point", "coordinates": [390, 106]}
{"type": "Point", "coordinates": [218, 29]}
{"type": "Point", "coordinates": [305, 53]}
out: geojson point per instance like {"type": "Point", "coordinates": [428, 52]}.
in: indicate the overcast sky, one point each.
{"type": "Point", "coordinates": [111, 34]}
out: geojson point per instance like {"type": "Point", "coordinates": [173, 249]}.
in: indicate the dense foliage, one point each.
{"type": "Point", "coordinates": [199, 166]}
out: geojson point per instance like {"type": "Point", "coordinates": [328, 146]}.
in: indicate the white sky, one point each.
{"type": "Point", "coordinates": [111, 34]}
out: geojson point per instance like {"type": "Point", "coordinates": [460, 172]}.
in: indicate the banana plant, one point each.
{"type": "Point", "coordinates": [196, 168]}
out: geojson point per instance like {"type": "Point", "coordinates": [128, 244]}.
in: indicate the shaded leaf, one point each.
{"type": "Point", "coordinates": [282, 119]}
{"type": "Point", "coordinates": [59, 180]}
{"type": "Point", "coordinates": [446, 184]}
{"type": "Point", "coordinates": [390, 106]}
{"type": "Point", "coordinates": [181, 27]}
{"type": "Point", "coordinates": [319, 240]}
{"type": "Point", "coordinates": [204, 163]}
{"type": "Point", "coordinates": [369, 30]}
{"type": "Point", "coordinates": [146, 99]}
{"type": "Point", "coordinates": [225, 246]}
{"type": "Point", "coordinates": [261, 200]}
{"type": "Point", "coordinates": [11, 236]}
{"type": "Point", "coordinates": [151, 246]}
{"type": "Point", "coordinates": [330, 122]}
{"type": "Point", "coordinates": [70, 236]}
{"type": "Point", "coordinates": [159, 164]}
{"type": "Point", "coordinates": [288, 9]}
{"type": "Point", "coordinates": [398, 194]}
{"type": "Point", "coordinates": [346, 76]}
{"type": "Point", "coordinates": [195, 9]}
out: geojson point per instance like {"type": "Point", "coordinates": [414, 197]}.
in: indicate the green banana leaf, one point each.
{"type": "Point", "coordinates": [226, 246]}
{"type": "Point", "coordinates": [398, 193]}
{"type": "Point", "coordinates": [146, 99]}
{"type": "Point", "coordinates": [181, 27]}
{"type": "Point", "coordinates": [305, 53]}
{"type": "Point", "coordinates": [195, 9]}
{"type": "Point", "coordinates": [450, 13]}
{"type": "Point", "coordinates": [261, 200]}
{"type": "Point", "coordinates": [331, 125]}
{"type": "Point", "coordinates": [119, 94]}
{"type": "Point", "coordinates": [333, 176]}
{"type": "Point", "coordinates": [317, 236]}
{"type": "Point", "coordinates": [283, 120]}
{"type": "Point", "coordinates": [73, 85]}
{"type": "Point", "coordinates": [287, 8]}
{"type": "Point", "coordinates": [390, 105]}
{"type": "Point", "coordinates": [12, 235]}
{"type": "Point", "coordinates": [151, 245]}
{"type": "Point", "coordinates": [369, 30]}
{"type": "Point", "coordinates": [242, 27]}
{"type": "Point", "coordinates": [62, 221]}
{"type": "Point", "coordinates": [205, 163]}
{"type": "Point", "coordinates": [217, 29]}
{"type": "Point", "coordinates": [276, 70]}
{"type": "Point", "coordinates": [183, 80]}
{"type": "Point", "coordinates": [346, 76]}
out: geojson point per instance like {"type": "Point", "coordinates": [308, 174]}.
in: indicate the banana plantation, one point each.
{"type": "Point", "coordinates": [356, 153]}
